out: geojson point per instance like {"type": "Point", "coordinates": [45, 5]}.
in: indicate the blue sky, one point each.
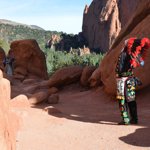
{"type": "Point", "coordinates": [58, 15]}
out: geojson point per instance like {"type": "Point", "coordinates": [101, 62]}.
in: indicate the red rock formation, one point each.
{"type": "Point", "coordinates": [104, 19]}
{"type": "Point", "coordinates": [29, 60]}
{"type": "Point", "coordinates": [95, 78]}
{"type": "Point", "coordinates": [138, 26]}
{"type": "Point", "coordinates": [39, 90]}
{"type": "Point", "coordinates": [7, 132]}
{"type": "Point", "coordinates": [84, 51]}
{"type": "Point", "coordinates": [86, 74]}
{"type": "Point", "coordinates": [101, 24]}
{"type": "Point", "coordinates": [86, 9]}
{"type": "Point", "coordinates": [52, 41]}
{"type": "Point", "coordinates": [38, 97]}
{"type": "Point", "coordinates": [66, 75]}
{"type": "Point", "coordinates": [53, 99]}
{"type": "Point", "coordinates": [126, 10]}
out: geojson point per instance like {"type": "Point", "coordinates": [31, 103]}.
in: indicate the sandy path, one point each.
{"type": "Point", "coordinates": [83, 121]}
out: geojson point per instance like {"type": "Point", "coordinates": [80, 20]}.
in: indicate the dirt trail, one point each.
{"type": "Point", "coordinates": [83, 120]}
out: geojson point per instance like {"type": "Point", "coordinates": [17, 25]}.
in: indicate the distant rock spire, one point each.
{"type": "Point", "coordinates": [86, 9]}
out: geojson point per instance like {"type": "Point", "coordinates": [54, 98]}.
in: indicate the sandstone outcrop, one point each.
{"type": "Point", "coordinates": [66, 42]}
{"type": "Point", "coordinates": [137, 26]}
{"type": "Point", "coordinates": [38, 90]}
{"type": "Point", "coordinates": [101, 24]}
{"type": "Point", "coordinates": [66, 75]}
{"type": "Point", "coordinates": [84, 51]}
{"type": "Point", "coordinates": [38, 97]}
{"type": "Point", "coordinates": [29, 60]}
{"type": "Point", "coordinates": [53, 99]}
{"type": "Point", "coordinates": [7, 132]}
{"type": "Point", "coordinates": [86, 74]}
{"type": "Point", "coordinates": [104, 19]}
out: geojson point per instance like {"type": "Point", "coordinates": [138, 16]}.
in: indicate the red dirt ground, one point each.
{"type": "Point", "coordinates": [83, 120]}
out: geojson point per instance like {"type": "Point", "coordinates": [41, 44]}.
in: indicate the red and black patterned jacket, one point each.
{"type": "Point", "coordinates": [132, 56]}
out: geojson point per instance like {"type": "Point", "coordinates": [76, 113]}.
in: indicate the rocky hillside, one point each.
{"type": "Point", "coordinates": [11, 31]}
{"type": "Point", "coordinates": [4, 21]}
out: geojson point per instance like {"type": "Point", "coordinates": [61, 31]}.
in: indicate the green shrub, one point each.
{"type": "Point", "coordinates": [4, 45]}
{"type": "Point", "coordinates": [58, 59]}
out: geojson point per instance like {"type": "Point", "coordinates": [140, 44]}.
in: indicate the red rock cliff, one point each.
{"type": "Point", "coordinates": [137, 26]}
{"type": "Point", "coordinates": [104, 19]}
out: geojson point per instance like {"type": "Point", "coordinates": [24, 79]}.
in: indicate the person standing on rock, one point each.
{"type": "Point", "coordinates": [131, 56]}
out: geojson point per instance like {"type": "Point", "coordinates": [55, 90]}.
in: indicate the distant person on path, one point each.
{"type": "Point", "coordinates": [8, 64]}
{"type": "Point", "coordinates": [131, 56]}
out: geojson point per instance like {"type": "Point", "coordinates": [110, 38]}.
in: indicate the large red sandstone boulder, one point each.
{"type": "Point", "coordinates": [7, 132]}
{"type": "Point", "coordinates": [52, 90]}
{"type": "Point", "coordinates": [29, 87]}
{"type": "Point", "coordinates": [29, 60]}
{"type": "Point", "coordinates": [138, 26]}
{"type": "Point", "coordinates": [66, 75]}
{"type": "Point", "coordinates": [95, 79]}
{"type": "Point", "coordinates": [86, 74]}
{"type": "Point", "coordinates": [38, 97]}
{"type": "Point", "coordinates": [53, 99]}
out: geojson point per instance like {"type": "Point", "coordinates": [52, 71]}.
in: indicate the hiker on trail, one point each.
{"type": "Point", "coordinates": [8, 64]}
{"type": "Point", "coordinates": [131, 56]}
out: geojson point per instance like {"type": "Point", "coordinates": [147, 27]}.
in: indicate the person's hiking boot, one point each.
{"type": "Point", "coordinates": [123, 123]}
